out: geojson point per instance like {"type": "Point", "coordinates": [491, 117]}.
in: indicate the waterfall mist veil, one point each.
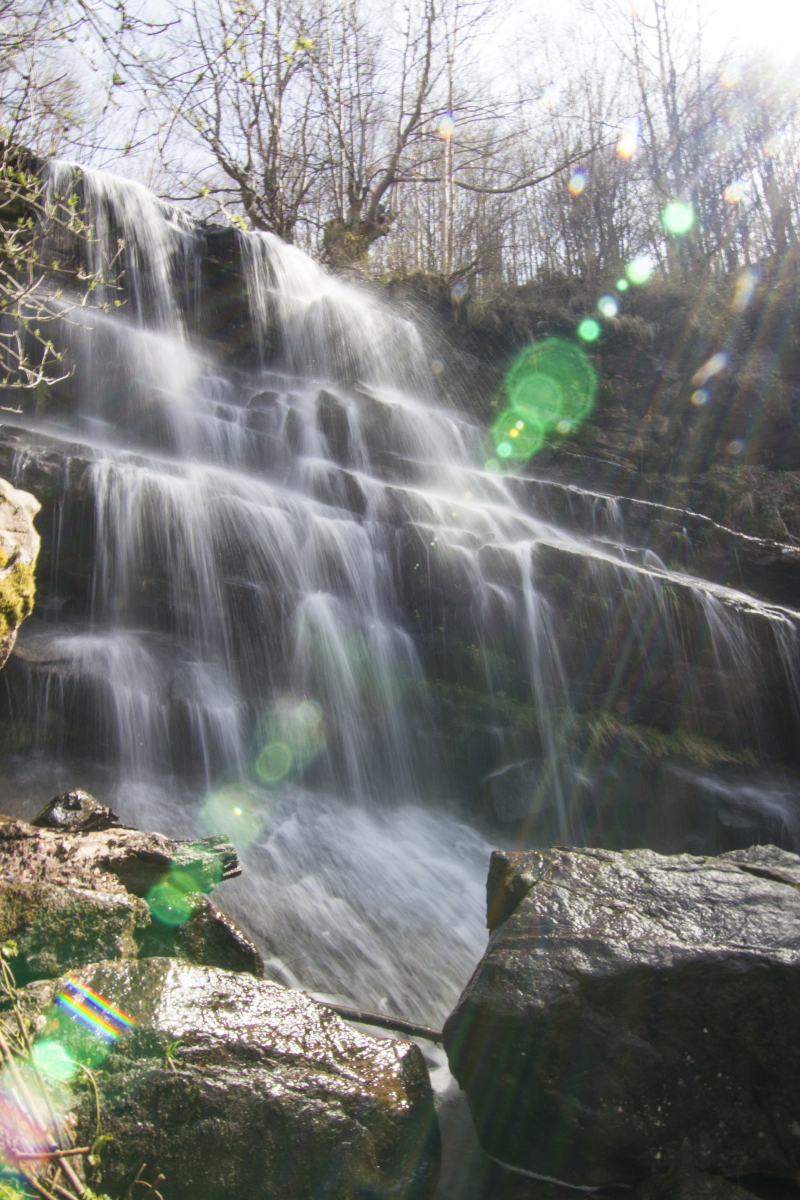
{"type": "Point", "coordinates": [277, 574]}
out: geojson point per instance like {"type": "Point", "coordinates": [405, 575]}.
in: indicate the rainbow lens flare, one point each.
{"type": "Point", "coordinates": [718, 362]}
{"type": "Point", "coordinates": [550, 96]}
{"type": "Point", "coordinates": [628, 139]}
{"type": "Point", "coordinates": [93, 1011]}
{"type": "Point", "coordinates": [745, 289]}
{"type": "Point", "coordinates": [577, 183]}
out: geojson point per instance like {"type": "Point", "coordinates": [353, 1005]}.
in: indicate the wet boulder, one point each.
{"type": "Point", "coordinates": [231, 1086]}
{"type": "Point", "coordinates": [19, 547]}
{"type": "Point", "coordinates": [73, 896]}
{"type": "Point", "coordinates": [75, 811]}
{"type": "Point", "coordinates": [633, 1010]}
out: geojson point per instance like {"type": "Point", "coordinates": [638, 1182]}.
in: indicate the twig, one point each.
{"type": "Point", "coordinates": [383, 1022]}
{"type": "Point", "coordinates": [62, 1191]}
{"type": "Point", "coordinates": [129, 1193]}
{"type": "Point", "coordinates": [54, 1153]}
{"type": "Point", "coordinates": [34, 1183]}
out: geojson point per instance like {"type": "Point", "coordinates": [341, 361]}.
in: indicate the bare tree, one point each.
{"type": "Point", "coordinates": [376, 94]}
{"type": "Point", "coordinates": [236, 85]}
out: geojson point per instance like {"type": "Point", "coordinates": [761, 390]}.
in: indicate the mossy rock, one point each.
{"type": "Point", "coordinates": [19, 546]}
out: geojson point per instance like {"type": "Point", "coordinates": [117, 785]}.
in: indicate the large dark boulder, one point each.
{"type": "Point", "coordinates": [634, 1008]}
{"type": "Point", "coordinates": [233, 1087]}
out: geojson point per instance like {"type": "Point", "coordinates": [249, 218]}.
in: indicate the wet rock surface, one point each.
{"type": "Point", "coordinates": [237, 1087]}
{"type": "Point", "coordinates": [75, 811]}
{"type": "Point", "coordinates": [71, 897]}
{"type": "Point", "coordinates": [631, 1006]}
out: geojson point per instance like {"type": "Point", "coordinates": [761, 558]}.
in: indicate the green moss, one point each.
{"type": "Point", "coordinates": [17, 587]}
{"type": "Point", "coordinates": [604, 730]}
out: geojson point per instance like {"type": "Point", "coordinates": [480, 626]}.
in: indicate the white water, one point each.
{"type": "Point", "coordinates": [309, 530]}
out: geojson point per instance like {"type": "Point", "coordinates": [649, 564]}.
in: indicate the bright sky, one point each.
{"type": "Point", "coordinates": [772, 25]}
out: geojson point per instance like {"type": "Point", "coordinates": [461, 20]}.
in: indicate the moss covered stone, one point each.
{"type": "Point", "coordinates": [19, 546]}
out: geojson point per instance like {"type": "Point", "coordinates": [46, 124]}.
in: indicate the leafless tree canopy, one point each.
{"type": "Point", "coordinates": [437, 136]}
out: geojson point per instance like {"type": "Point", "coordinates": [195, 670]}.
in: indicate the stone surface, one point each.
{"type": "Point", "coordinates": [236, 1087]}
{"type": "Point", "coordinates": [75, 811]}
{"type": "Point", "coordinates": [631, 1004]}
{"type": "Point", "coordinates": [71, 898]}
{"type": "Point", "coordinates": [19, 546]}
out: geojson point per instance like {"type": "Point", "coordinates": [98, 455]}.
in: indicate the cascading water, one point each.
{"type": "Point", "coordinates": [298, 570]}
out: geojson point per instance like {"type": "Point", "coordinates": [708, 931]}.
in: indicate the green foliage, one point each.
{"type": "Point", "coordinates": [605, 730]}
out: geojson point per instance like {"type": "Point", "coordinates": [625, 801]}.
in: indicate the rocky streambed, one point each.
{"type": "Point", "coordinates": [633, 1024]}
{"type": "Point", "coordinates": [155, 1041]}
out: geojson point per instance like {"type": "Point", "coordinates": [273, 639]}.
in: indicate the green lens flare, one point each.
{"type": "Point", "coordinates": [53, 1061]}
{"type": "Point", "coordinates": [621, 285]}
{"type": "Point", "coordinates": [550, 382]}
{"type": "Point", "coordinates": [290, 736]}
{"type": "Point", "coordinates": [589, 330]}
{"type": "Point", "coordinates": [274, 762]}
{"type": "Point", "coordinates": [678, 218]}
{"type": "Point", "coordinates": [168, 905]}
{"type": "Point", "coordinates": [174, 899]}
{"type": "Point", "coordinates": [237, 811]}
{"type": "Point", "coordinates": [515, 437]}
{"type": "Point", "coordinates": [640, 269]}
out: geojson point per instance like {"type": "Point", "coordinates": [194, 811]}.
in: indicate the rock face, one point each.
{"type": "Point", "coordinates": [236, 1087]}
{"type": "Point", "coordinates": [19, 546]}
{"type": "Point", "coordinates": [70, 898]}
{"type": "Point", "coordinates": [633, 1009]}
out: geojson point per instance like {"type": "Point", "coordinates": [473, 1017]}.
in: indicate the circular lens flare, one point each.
{"type": "Point", "coordinates": [53, 1061]}
{"type": "Point", "coordinates": [274, 762]}
{"type": "Point", "coordinates": [549, 96]}
{"type": "Point", "coordinates": [628, 139]}
{"type": "Point", "coordinates": [577, 183]}
{"type": "Point", "coordinates": [589, 330]}
{"type": "Point", "coordinates": [608, 306]}
{"type": "Point", "coordinates": [622, 285]}
{"type": "Point", "coordinates": [640, 270]}
{"type": "Point", "coordinates": [700, 397]}
{"type": "Point", "coordinates": [745, 289]}
{"type": "Point", "coordinates": [678, 218]}
{"type": "Point", "coordinates": [236, 810]}
{"type": "Point", "coordinates": [170, 903]}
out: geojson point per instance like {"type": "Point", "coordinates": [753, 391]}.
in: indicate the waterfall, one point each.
{"type": "Point", "coordinates": [279, 580]}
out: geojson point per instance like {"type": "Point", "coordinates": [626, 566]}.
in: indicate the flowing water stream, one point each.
{"type": "Point", "coordinates": [288, 547]}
